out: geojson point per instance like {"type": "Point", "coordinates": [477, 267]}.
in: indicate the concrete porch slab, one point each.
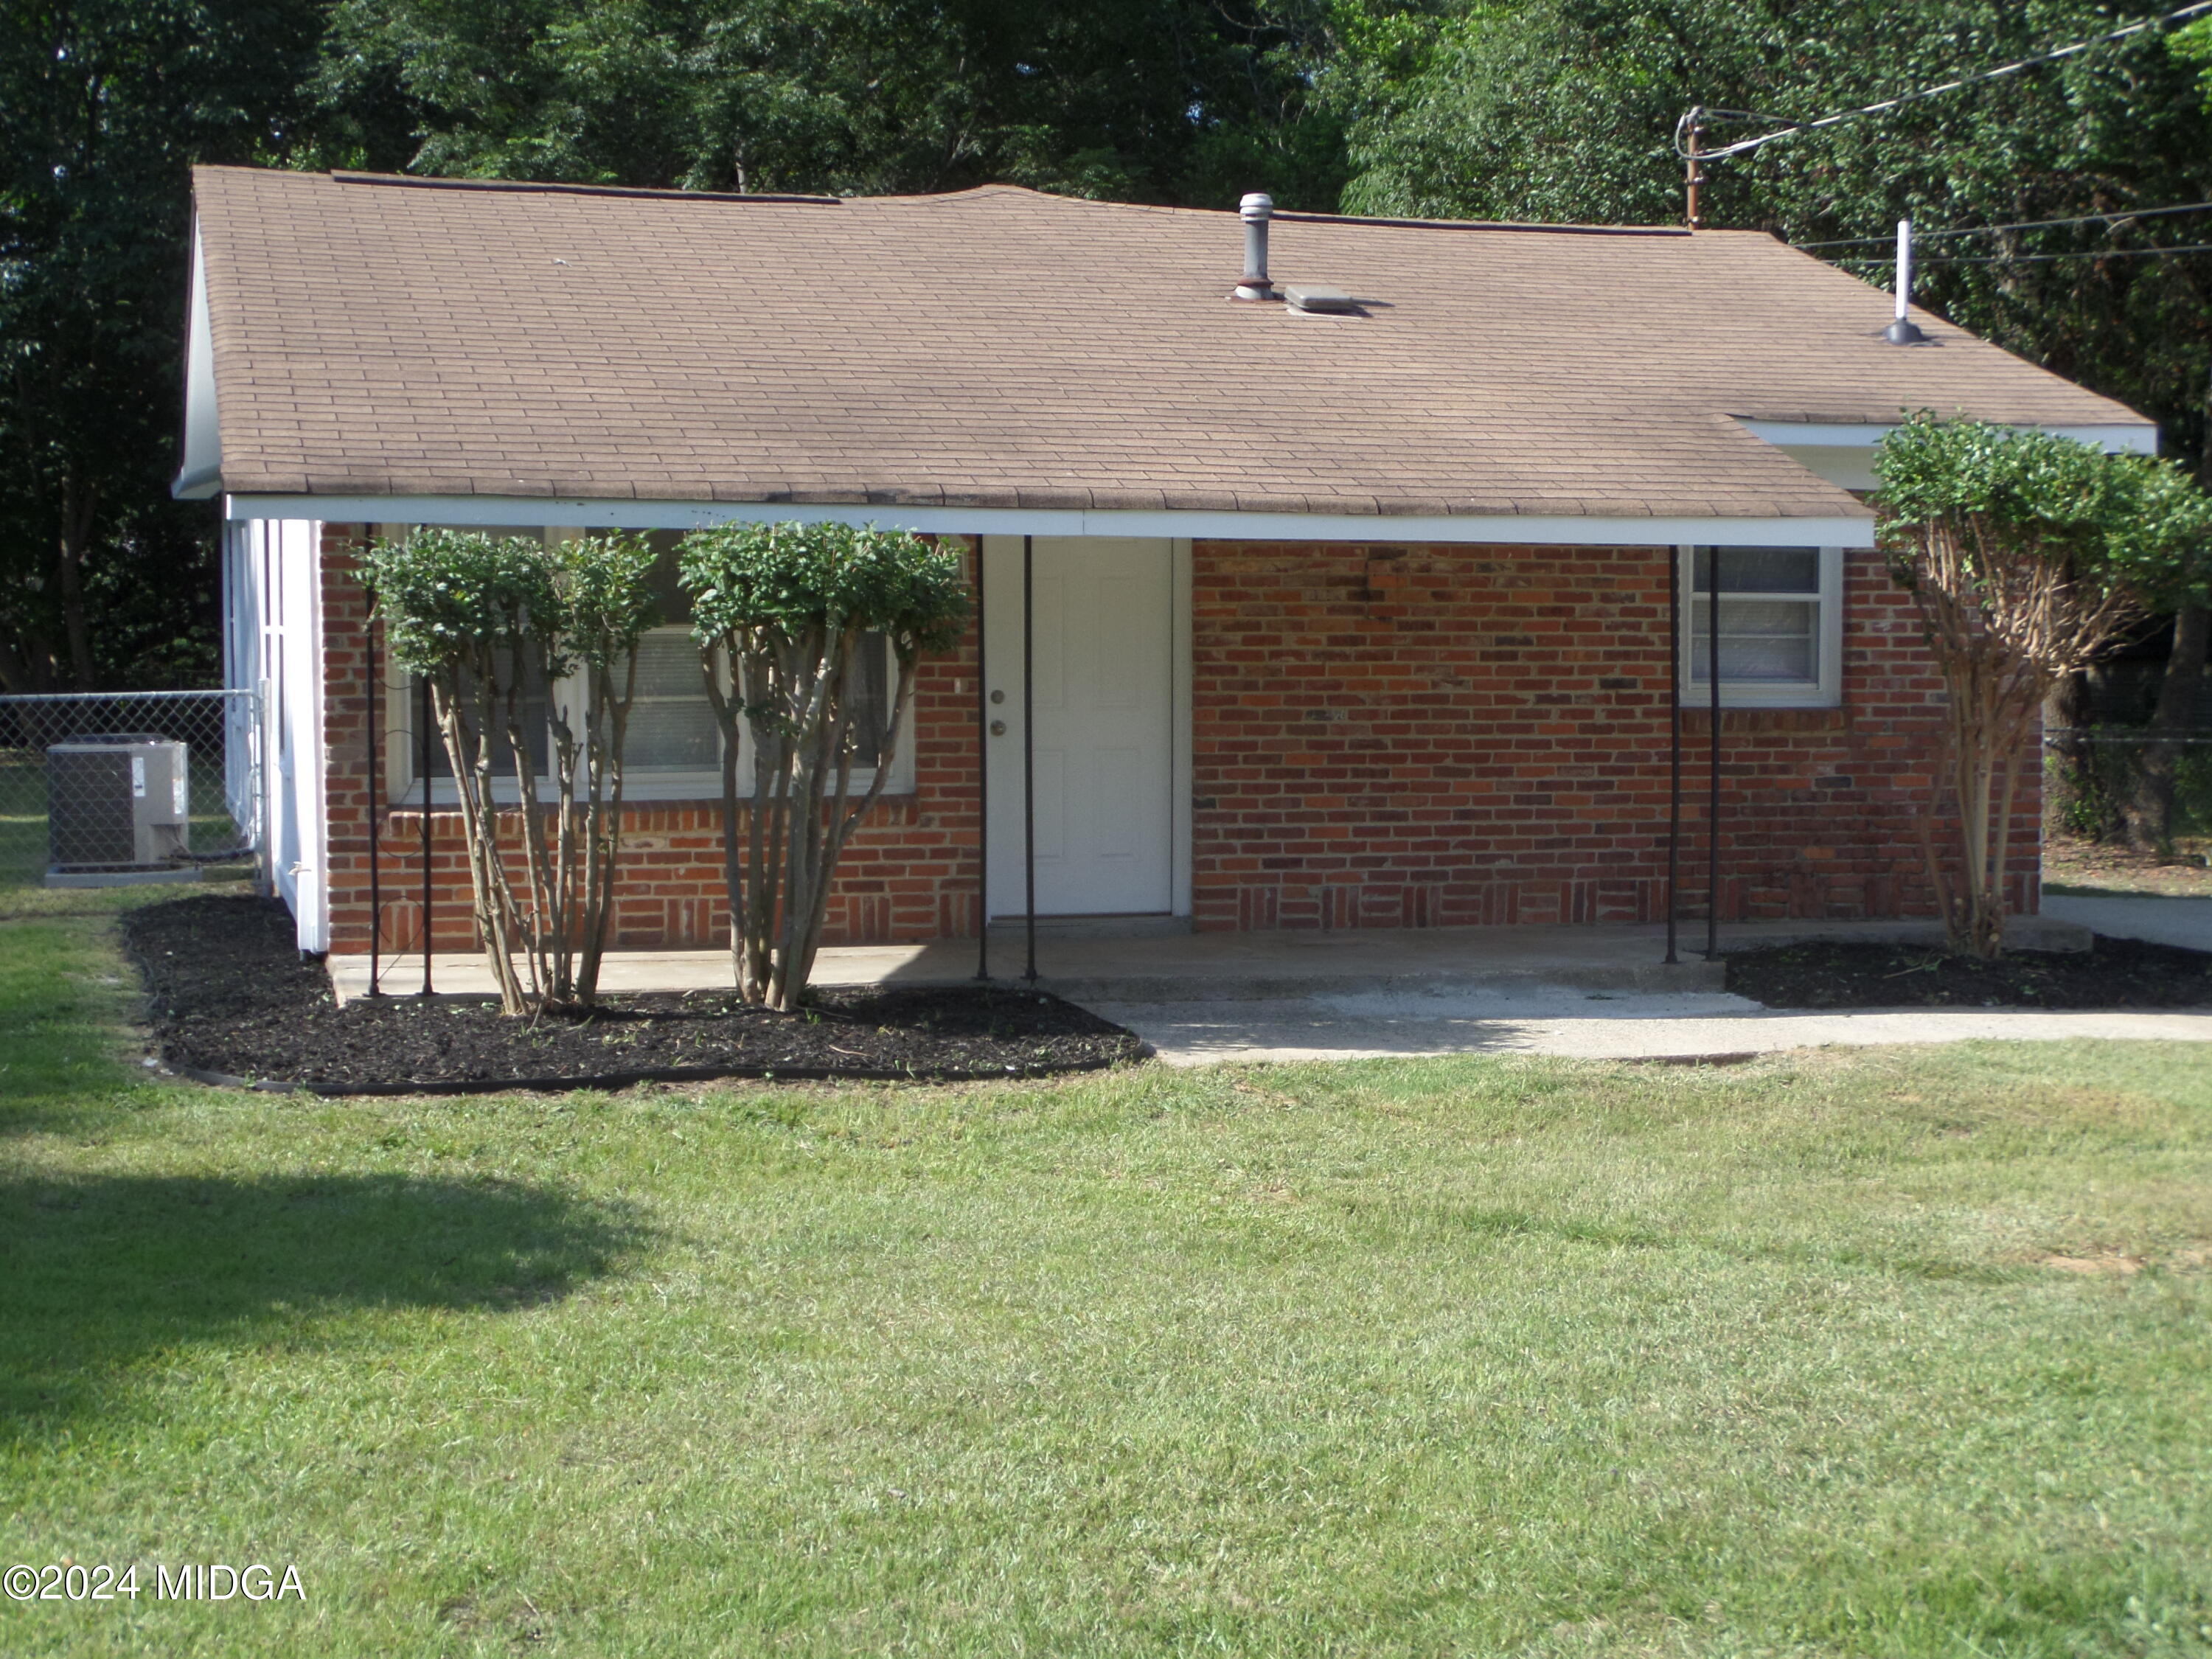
{"type": "Point", "coordinates": [1242, 967]}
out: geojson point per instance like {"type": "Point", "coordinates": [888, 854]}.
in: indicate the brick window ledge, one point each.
{"type": "Point", "coordinates": [1768, 719]}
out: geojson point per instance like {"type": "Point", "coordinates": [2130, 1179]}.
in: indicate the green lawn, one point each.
{"type": "Point", "coordinates": [1470, 1357]}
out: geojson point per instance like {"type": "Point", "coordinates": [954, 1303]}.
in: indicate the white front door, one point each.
{"type": "Point", "coordinates": [1101, 685]}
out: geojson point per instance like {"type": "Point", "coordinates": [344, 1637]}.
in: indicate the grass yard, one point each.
{"type": "Point", "coordinates": [1897, 1353]}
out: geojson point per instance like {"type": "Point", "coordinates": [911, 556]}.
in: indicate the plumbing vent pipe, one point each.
{"type": "Point", "coordinates": [1904, 330]}
{"type": "Point", "coordinates": [1255, 210]}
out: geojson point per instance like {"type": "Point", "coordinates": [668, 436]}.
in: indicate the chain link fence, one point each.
{"type": "Point", "coordinates": [103, 788]}
{"type": "Point", "coordinates": [2097, 777]}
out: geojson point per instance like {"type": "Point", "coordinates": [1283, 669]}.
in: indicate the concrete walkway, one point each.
{"type": "Point", "coordinates": [1166, 968]}
{"type": "Point", "coordinates": [1558, 1021]}
{"type": "Point", "coordinates": [2184, 921]}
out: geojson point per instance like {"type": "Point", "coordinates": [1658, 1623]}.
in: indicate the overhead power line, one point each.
{"type": "Point", "coordinates": [1920, 235]}
{"type": "Point", "coordinates": [2034, 258]}
{"type": "Point", "coordinates": [1743, 146]}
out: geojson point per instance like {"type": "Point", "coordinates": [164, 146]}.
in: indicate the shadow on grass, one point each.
{"type": "Point", "coordinates": [98, 1273]}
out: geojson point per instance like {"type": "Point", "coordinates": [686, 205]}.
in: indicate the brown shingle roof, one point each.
{"type": "Point", "coordinates": [999, 348]}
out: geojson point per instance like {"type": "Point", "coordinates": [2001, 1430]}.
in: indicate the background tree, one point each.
{"type": "Point", "coordinates": [1136, 99]}
{"type": "Point", "coordinates": [103, 105]}
{"type": "Point", "coordinates": [1559, 110]}
{"type": "Point", "coordinates": [781, 613]}
{"type": "Point", "coordinates": [2027, 556]}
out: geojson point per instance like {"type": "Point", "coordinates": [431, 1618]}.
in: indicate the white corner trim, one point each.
{"type": "Point", "coordinates": [315, 915]}
{"type": "Point", "coordinates": [1555, 530]}
{"type": "Point", "coordinates": [1183, 770]}
{"type": "Point", "coordinates": [199, 475]}
{"type": "Point", "coordinates": [2139, 438]}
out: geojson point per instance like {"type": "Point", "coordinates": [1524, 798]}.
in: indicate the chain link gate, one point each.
{"type": "Point", "coordinates": [105, 788]}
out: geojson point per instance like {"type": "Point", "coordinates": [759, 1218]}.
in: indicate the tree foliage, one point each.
{"type": "Point", "coordinates": [494, 624]}
{"type": "Point", "coordinates": [103, 105]}
{"type": "Point", "coordinates": [1565, 110]}
{"type": "Point", "coordinates": [781, 613]}
{"type": "Point", "coordinates": [2027, 556]}
{"type": "Point", "coordinates": [1143, 99]}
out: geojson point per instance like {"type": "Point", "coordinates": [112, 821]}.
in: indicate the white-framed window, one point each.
{"type": "Point", "coordinates": [673, 747]}
{"type": "Point", "coordinates": [1781, 626]}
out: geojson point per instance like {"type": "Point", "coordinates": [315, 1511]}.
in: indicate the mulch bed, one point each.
{"type": "Point", "coordinates": [229, 997]}
{"type": "Point", "coordinates": [2115, 973]}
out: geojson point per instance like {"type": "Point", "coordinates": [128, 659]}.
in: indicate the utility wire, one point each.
{"type": "Point", "coordinates": [1920, 235]}
{"type": "Point", "coordinates": [1744, 145]}
{"type": "Point", "coordinates": [2032, 258]}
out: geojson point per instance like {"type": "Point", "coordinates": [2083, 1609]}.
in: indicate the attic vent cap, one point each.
{"type": "Point", "coordinates": [1333, 300]}
{"type": "Point", "coordinates": [1255, 210]}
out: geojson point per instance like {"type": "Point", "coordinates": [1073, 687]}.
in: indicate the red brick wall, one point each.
{"type": "Point", "coordinates": [908, 873]}
{"type": "Point", "coordinates": [1419, 735]}
{"type": "Point", "coordinates": [1432, 736]}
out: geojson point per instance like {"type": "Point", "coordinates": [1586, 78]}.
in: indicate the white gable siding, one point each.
{"type": "Point", "coordinates": [273, 644]}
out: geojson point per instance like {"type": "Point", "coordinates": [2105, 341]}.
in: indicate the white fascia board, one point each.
{"type": "Point", "coordinates": [1841, 530]}
{"type": "Point", "coordinates": [199, 476]}
{"type": "Point", "coordinates": [2139, 438]}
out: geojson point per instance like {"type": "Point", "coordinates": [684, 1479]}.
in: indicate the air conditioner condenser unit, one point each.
{"type": "Point", "coordinates": [120, 803]}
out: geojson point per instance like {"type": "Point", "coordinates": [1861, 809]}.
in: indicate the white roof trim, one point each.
{"type": "Point", "coordinates": [199, 476]}
{"type": "Point", "coordinates": [1841, 530]}
{"type": "Point", "coordinates": [2140, 438]}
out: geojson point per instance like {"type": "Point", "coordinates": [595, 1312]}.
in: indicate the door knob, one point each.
{"type": "Point", "coordinates": [998, 728]}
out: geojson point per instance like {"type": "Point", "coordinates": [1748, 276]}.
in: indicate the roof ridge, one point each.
{"type": "Point", "coordinates": [994, 188]}
{"type": "Point", "coordinates": [1293, 217]}
{"type": "Point", "coordinates": [554, 187]}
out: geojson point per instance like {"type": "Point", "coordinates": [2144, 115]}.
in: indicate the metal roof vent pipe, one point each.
{"type": "Point", "coordinates": [1904, 330]}
{"type": "Point", "coordinates": [1255, 210]}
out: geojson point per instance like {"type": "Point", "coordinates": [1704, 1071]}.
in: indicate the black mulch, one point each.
{"type": "Point", "coordinates": [229, 995]}
{"type": "Point", "coordinates": [2116, 973]}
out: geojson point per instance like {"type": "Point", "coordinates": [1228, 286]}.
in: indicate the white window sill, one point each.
{"type": "Point", "coordinates": [676, 792]}
{"type": "Point", "coordinates": [1744, 696]}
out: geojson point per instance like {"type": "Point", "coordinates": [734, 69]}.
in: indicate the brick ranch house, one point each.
{"type": "Point", "coordinates": [1338, 619]}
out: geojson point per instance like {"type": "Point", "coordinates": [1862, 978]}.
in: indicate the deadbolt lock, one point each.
{"type": "Point", "coordinates": [998, 728]}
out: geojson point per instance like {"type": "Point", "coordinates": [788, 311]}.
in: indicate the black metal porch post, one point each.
{"type": "Point", "coordinates": [1675, 646]}
{"type": "Point", "coordinates": [1713, 807]}
{"type": "Point", "coordinates": [376, 799]}
{"type": "Point", "coordinates": [1028, 752]}
{"type": "Point", "coordinates": [425, 764]}
{"type": "Point", "coordinates": [983, 779]}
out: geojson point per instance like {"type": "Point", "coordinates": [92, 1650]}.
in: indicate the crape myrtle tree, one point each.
{"type": "Point", "coordinates": [781, 613]}
{"type": "Point", "coordinates": [2027, 556]}
{"type": "Point", "coordinates": [496, 624]}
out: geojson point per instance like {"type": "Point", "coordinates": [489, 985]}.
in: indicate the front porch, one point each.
{"type": "Point", "coordinates": [1238, 967]}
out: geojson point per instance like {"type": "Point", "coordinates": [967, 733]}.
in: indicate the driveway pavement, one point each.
{"type": "Point", "coordinates": [1554, 1021]}
{"type": "Point", "coordinates": [2185, 922]}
